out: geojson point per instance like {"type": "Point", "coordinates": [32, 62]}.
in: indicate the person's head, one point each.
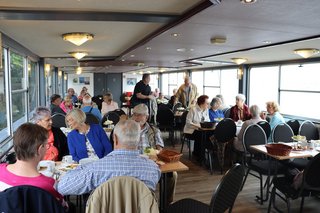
{"type": "Point", "coordinates": [84, 89]}
{"type": "Point", "coordinates": [67, 101]}
{"type": "Point", "coordinates": [42, 117]}
{"type": "Point", "coordinates": [30, 141]}
{"type": "Point", "coordinates": [187, 81]}
{"type": "Point", "coordinates": [55, 99]}
{"type": "Point", "coordinates": [173, 100]}
{"type": "Point", "coordinates": [75, 118]}
{"type": "Point", "coordinates": [174, 91]}
{"type": "Point", "coordinates": [156, 90]}
{"type": "Point", "coordinates": [272, 107]}
{"type": "Point", "coordinates": [255, 111]}
{"type": "Point", "coordinates": [107, 97]}
{"type": "Point", "coordinates": [221, 98]}
{"type": "Point", "coordinates": [240, 99]}
{"type": "Point", "coordinates": [146, 78]}
{"type": "Point", "coordinates": [215, 103]}
{"type": "Point", "coordinates": [140, 114]}
{"type": "Point", "coordinates": [86, 100]}
{"type": "Point", "coordinates": [71, 91]}
{"type": "Point", "coordinates": [126, 134]}
{"type": "Point", "coordinates": [161, 96]}
{"type": "Point", "coordinates": [203, 102]}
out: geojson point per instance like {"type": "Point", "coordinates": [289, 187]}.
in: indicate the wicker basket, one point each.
{"type": "Point", "coordinates": [169, 156]}
{"type": "Point", "coordinates": [278, 149]}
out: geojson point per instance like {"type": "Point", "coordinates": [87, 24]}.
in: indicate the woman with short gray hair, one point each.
{"type": "Point", "coordinates": [215, 114]}
{"type": "Point", "coordinates": [57, 141]}
{"type": "Point", "coordinates": [240, 111]}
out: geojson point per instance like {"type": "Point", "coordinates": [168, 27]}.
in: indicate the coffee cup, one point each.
{"type": "Point", "coordinates": [46, 165]}
{"type": "Point", "coordinates": [67, 159]}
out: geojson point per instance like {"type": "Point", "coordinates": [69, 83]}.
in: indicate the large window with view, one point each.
{"type": "Point", "coordinates": [4, 130]}
{"type": "Point", "coordinates": [171, 81]}
{"type": "Point", "coordinates": [32, 86]}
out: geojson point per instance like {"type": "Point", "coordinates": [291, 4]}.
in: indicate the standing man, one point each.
{"type": "Point", "coordinates": [187, 93]}
{"type": "Point", "coordinates": [142, 92]}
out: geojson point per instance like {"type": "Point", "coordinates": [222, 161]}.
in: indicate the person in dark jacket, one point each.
{"type": "Point", "coordinates": [57, 141]}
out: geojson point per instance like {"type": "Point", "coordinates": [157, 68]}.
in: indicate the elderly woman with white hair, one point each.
{"type": "Point", "coordinates": [240, 111]}
{"type": "Point", "coordinates": [274, 114]}
{"type": "Point", "coordinates": [86, 141]}
{"type": "Point", "coordinates": [57, 141]}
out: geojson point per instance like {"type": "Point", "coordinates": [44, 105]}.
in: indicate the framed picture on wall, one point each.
{"type": "Point", "coordinates": [84, 80]}
{"type": "Point", "coordinates": [131, 81]}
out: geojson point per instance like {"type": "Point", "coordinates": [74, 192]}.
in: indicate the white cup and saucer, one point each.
{"type": "Point", "coordinates": [46, 167]}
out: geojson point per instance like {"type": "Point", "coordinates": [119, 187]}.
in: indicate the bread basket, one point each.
{"type": "Point", "coordinates": [278, 149]}
{"type": "Point", "coordinates": [169, 156]}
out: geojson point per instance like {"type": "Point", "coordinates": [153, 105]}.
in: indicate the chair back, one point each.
{"type": "Point", "coordinates": [311, 174]}
{"type": "Point", "coordinates": [266, 127]}
{"type": "Point", "coordinates": [176, 106]}
{"type": "Point", "coordinates": [22, 199]}
{"type": "Point", "coordinates": [282, 133]}
{"type": "Point", "coordinates": [225, 130]}
{"type": "Point", "coordinates": [58, 120]}
{"type": "Point", "coordinates": [112, 116]}
{"type": "Point", "coordinates": [165, 116]}
{"type": "Point", "coordinates": [184, 118]}
{"type": "Point", "coordinates": [227, 190]}
{"type": "Point", "coordinates": [98, 100]}
{"type": "Point", "coordinates": [91, 119]}
{"type": "Point", "coordinates": [119, 112]}
{"type": "Point", "coordinates": [309, 130]}
{"type": "Point", "coordinates": [122, 194]}
{"type": "Point", "coordinates": [226, 112]}
{"type": "Point", "coordinates": [295, 125]}
{"type": "Point", "coordinates": [253, 135]}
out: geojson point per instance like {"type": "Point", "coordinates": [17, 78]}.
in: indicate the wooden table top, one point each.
{"type": "Point", "coordinates": [293, 154]}
{"type": "Point", "coordinates": [173, 167]}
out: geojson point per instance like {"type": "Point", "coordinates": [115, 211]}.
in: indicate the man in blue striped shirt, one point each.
{"type": "Point", "coordinates": [123, 161]}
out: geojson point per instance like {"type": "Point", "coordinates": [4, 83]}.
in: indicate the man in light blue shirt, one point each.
{"type": "Point", "coordinates": [123, 161]}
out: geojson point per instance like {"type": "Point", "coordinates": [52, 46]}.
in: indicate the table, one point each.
{"type": "Point", "coordinates": [165, 169]}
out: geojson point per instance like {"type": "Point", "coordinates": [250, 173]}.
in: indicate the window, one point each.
{"type": "Point", "coordinates": [171, 81]}
{"type": "Point", "coordinates": [263, 85]}
{"type": "Point", "coordinates": [229, 86]}
{"type": "Point", "coordinates": [154, 82]}
{"type": "Point", "coordinates": [197, 79]}
{"type": "Point", "coordinates": [33, 89]}
{"type": "Point", "coordinates": [4, 130]}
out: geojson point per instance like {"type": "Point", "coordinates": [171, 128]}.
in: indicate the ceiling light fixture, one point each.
{"type": "Point", "coordinates": [307, 52]}
{"type": "Point", "coordinates": [248, 1]}
{"type": "Point", "coordinates": [239, 60]}
{"type": "Point", "coordinates": [78, 55]}
{"type": "Point", "coordinates": [78, 70]}
{"type": "Point", "coordinates": [175, 34]}
{"type": "Point", "coordinates": [77, 38]}
{"type": "Point", "coordinates": [218, 40]}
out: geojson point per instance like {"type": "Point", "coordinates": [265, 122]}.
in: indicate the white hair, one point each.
{"type": "Point", "coordinates": [241, 97]}
{"type": "Point", "coordinates": [86, 100]}
{"type": "Point", "coordinates": [40, 113]}
{"type": "Point", "coordinates": [128, 133]}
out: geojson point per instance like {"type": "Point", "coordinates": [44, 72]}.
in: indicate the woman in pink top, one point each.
{"type": "Point", "coordinates": [66, 104]}
{"type": "Point", "coordinates": [108, 104]}
{"type": "Point", "coordinates": [30, 145]}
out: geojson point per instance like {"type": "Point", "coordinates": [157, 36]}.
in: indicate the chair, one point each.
{"type": "Point", "coordinates": [310, 186]}
{"type": "Point", "coordinates": [224, 132]}
{"type": "Point", "coordinates": [112, 116]}
{"type": "Point", "coordinates": [23, 199]}
{"type": "Point", "coordinates": [119, 112]}
{"type": "Point", "coordinates": [295, 125]}
{"type": "Point", "coordinates": [98, 100]}
{"type": "Point", "coordinates": [226, 112]}
{"type": "Point", "coordinates": [255, 135]}
{"type": "Point", "coordinates": [222, 199]}
{"type": "Point", "coordinates": [165, 121]}
{"type": "Point", "coordinates": [122, 194]}
{"type": "Point", "coordinates": [91, 119]}
{"type": "Point", "coordinates": [58, 120]}
{"type": "Point", "coordinates": [266, 127]}
{"type": "Point", "coordinates": [309, 130]}
{"type": "Point", "coordinates": [282, 133]}
{"type": "Point", "coordinates": [185, 137]}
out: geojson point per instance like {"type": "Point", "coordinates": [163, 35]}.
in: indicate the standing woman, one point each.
{"type": "Point", "coordinates": [108, 104]}
{"type": "Point", "coordinates": [57, 141]}
{"type": "Point", "coordinates": [240, 111]}
{"type": "Point", "coordinates": [86, 140]}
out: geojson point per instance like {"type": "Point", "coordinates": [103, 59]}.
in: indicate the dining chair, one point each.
{"type": "Point", "coordinates": [185, 137]}
{"type": "Point", "coordinates": [122, 194]}
{"type": "Point", "coordinates": [27, 198]}
{"type": "Point", "coordinates": [120, 112]}
{"type": "Point", "coordinates": [165, 121]}
{"type": "Point", "coordinates": [223, 197]}
{"type": "Point", "coordinates": [295, 125]}
{"type": "Point", "coordinates": [310, 186]}
{"type": "Point", "coordinates": [309, 130]}
{"type": "Point", "coordinates": [282, 133]}
{"type": "Point", "coordinates": [112, 116]}
{"type": "Point", "coordinates": [266, 127]}
{"type": "Point", "coordinates": [226, 112]}
{"type": "Point", "coordinates": [91, 119]}
{"type": "Point", "coordinates": [257, 165]}
{"type": "Point", "coordinates": [58, 120]}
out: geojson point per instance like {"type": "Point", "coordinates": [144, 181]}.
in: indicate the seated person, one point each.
{"type": "Point", "coordinates": [274, 114]}
{"type": "Point", "coordinates": [255, 113]}
{"type": "Point", "coordinates": [57, 141]}
{"type": "Point", "coordinates": [89, 106]}
{"type": "Point", "coordinates": [240, 111]}
{"type": "Point", "coordinates": [66, 105]}
{"type": "Point", "coordinates": [150, 137]}
{"type": "Point", "coordinates": [223, 105]}
{"type": "Point", "coordinates": [161, 99]}
{"type": "Point", "coordinates": [71, 93]}
{"type": "Point", "coordinates": [125, 160]}
{"type": "Point", "coordinates": [215, 114]}
{"type": "Point", "coordinates": [172, 102]}
{"type": "Point", "coordinates": [108, 104]}
{"type": "Point", "coordinates": [86, 140]}
{"type": "Point", "coordinates": [30, 146]}
{"type": "Point", "coordinates": [56, 101]}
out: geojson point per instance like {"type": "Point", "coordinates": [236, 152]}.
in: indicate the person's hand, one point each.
{"type": "Point", "coordinates": [263, 115]}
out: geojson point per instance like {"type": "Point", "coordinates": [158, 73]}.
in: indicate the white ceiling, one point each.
{"type": "Point", "coordinates": [39, 24]}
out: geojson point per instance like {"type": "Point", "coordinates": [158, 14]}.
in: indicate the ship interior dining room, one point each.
{"type": "Point", "coordinates": [267, 50]}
